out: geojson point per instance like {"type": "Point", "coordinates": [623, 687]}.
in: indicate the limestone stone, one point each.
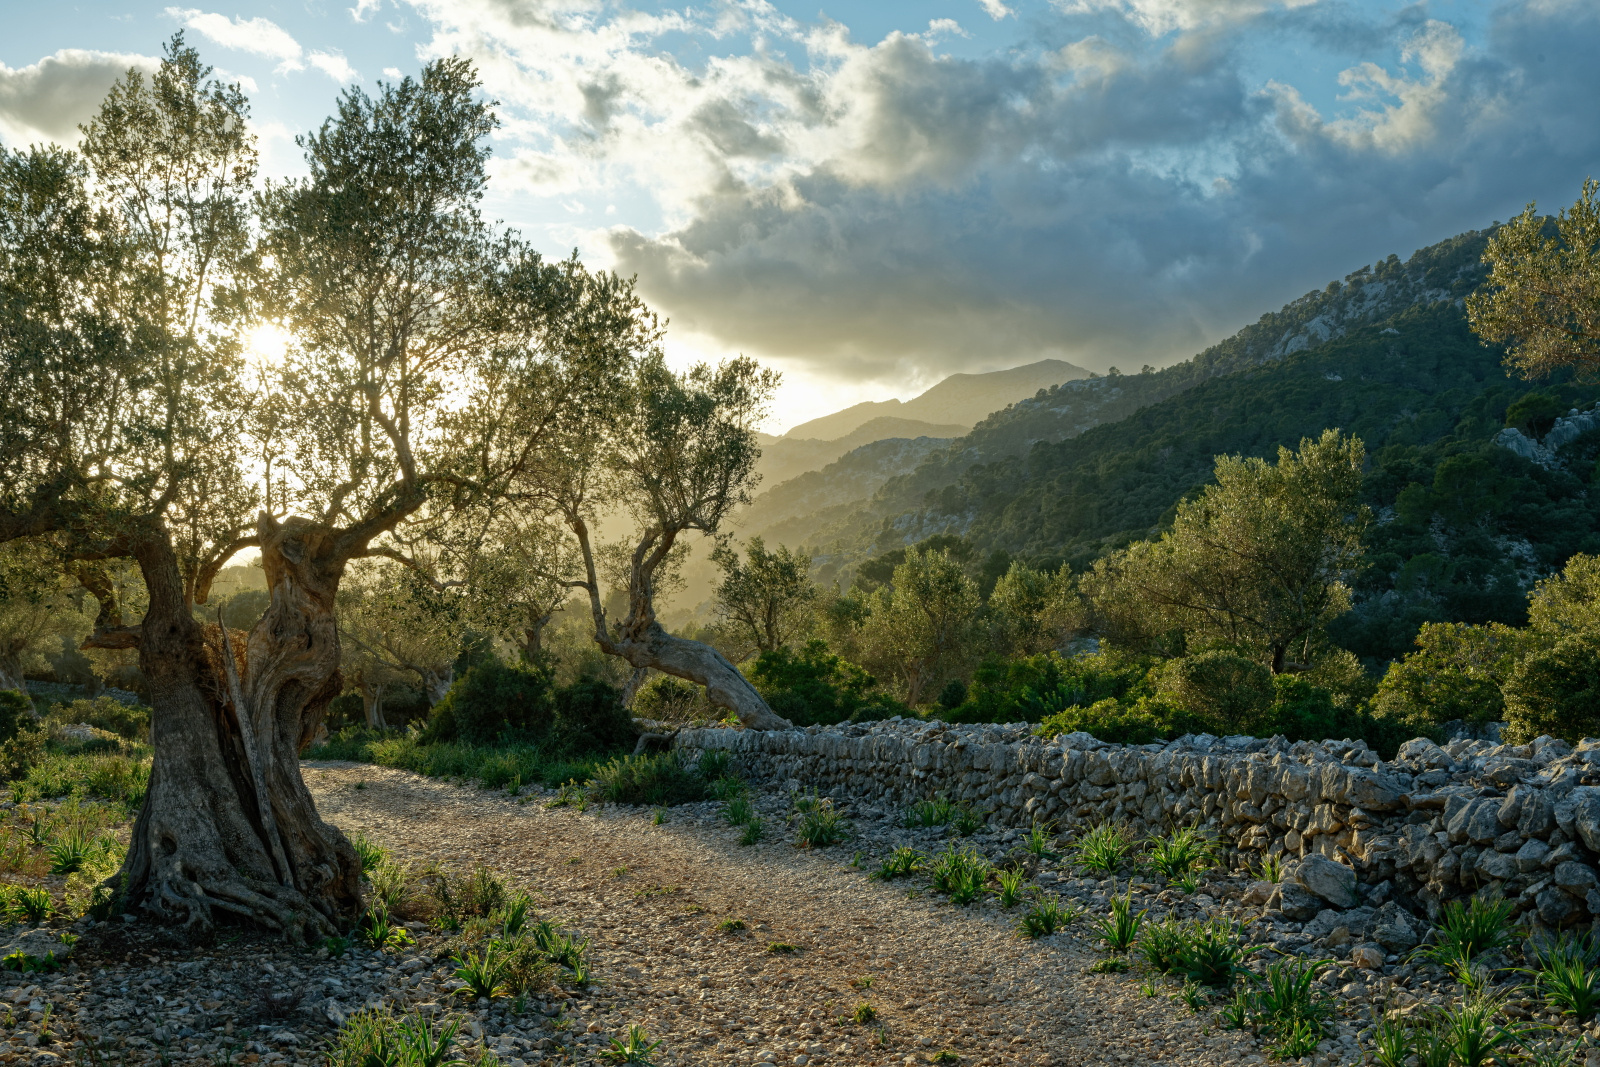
{"type": "Point", "coordinates": [1297, 902]}
{"type": "Point", "coordinates": [1333, 882]}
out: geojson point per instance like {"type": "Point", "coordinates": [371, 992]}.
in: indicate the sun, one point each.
{"type": "Point", "coordinates": [266, 345]}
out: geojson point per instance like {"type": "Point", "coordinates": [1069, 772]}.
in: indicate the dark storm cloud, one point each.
{"type": "Point", "coordinates": [1116, 204]}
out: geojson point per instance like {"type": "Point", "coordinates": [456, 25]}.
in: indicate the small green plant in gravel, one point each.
{"type": "Point", "coordinates": [1235, 1014]}
{"type": "Point", "coordinates": [1120, 929]}
{"type": "Point", "coordinates": [731, 926]}
{"type": "Point", "coordinates": [1392, 1042]}
{"type": "Point", "coordinates": [737, 811]}
{"type": "Point", "coordinates": [754, 831]}
{"type": "Point", "coordinates": [864, 1014]}
{"type": "Point", "coordinates": [336, 946]}
{"type": "Point", "coordinates": [1103, 848]}
{"type": "Point", "coordinates": [1570, 986]}
{"type": "Point", "coordinates": [966, 822]}
{"type": "Point", "coordinates": [1038, 840]}
{"type": "Point", "coordinates": [899, 863]}
{"type": "Point", "coordinates": [1193, 996]}
{"type": "Point", "coordinates": [1468, 931]}
{"type": "Point", "coordinates": [822, 826]}
{"type": "Point", "coordinates": [1209, 953]}
{"type": "Point", "coordinates": [1294, 1040]}
{"type": "Point", "coordinates": [1012, 886]}
{"type": "Point", "coordinates": [1185, 853]}
{"type": "Point", "coordinates": [634, 1050]}
{"type": "Point", "coordinates": [1160, 944]}
{"type": "Point", "coordinates": [379, 929]}
{"type": "Point", "coordinates": [728, 788]}
{"type": "Point", "coordinates": [73, 851]}
{"type": "Point", "coordinates": [376, 1038]}
{"type": "Point", "coordinates": [959, 874]}
{"type": "Point", "coordinates": [1475, 1035]}
{"type": "Point", "coordinates": [29, 904]}
{"type": "Point", "coordinates": [805, 803]}
{"type": "Point", "coordinates": [937, 810]}
{"type": "Point", "coordinates": [369, 852]}
{"type": "Point", "coordinates": [781, 948]}
{"type": "Point", "coordinates": [1270, 869]}
{"type": "Point", "coordinates": [1285, 1001]}
{"type": "Point", "coordinates": [658, 816]}
{"type": "Point", "coordinates": [484, 973]}
{"type": "Point", "coordinates": [1109, 965]}
{"type": "Point", "coordinates": [1551, 1054]}
{"type": "Point", "coordinates": [1047, 916]}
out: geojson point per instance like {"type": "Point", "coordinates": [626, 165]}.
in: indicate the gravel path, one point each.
{"type": "Point", "coordinates": [654, 898]}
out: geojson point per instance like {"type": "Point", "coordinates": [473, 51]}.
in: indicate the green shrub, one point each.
{"type": "Point", "coordinates": [1556, 691]}
{"type": "Point", "coordinates": [815, 687]}
{"type": "Point", "coordinates": [1222, 688]}
{"type": "Point", "coordinates": [670, 699]}
{"type": "Point", "coordinates": [1117, 723]}
{"type": "Point", "coordinates": [495, 702]}
{"type": "Point", "coordinates": [16, 710]}
{"type": "Point", "coordinates": [1034, 688]}
{"type": "Point", "coordinates": [590, 717]}
{"type": "Point", "coordinates": [1457, 673]}
{"type": "Point", "coordinates": [655, 779]}
{"type": "Point", "coordinates": [128, 721]}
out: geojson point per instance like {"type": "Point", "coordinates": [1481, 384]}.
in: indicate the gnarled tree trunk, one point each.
{"type": "Point", "coordinates": [11, 678]}
{"type": "Point", "coordinates": [228, 823]}
{"type": "Point", "coordinates": [697, 662]}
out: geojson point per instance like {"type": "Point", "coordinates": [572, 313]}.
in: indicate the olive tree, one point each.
{"type": "Point", "coordinates": [127, 276]}
{"type": "Point", "coordinates": [1542, 297]}
{"type": "Point", "coordinates": [677, 452]}
{"type": "Point", "coordinates": [764, 601]}
{"type": "Point", "coordinates": [1258, 562]}
{"type": "Point", "coordinates": [923, 628]}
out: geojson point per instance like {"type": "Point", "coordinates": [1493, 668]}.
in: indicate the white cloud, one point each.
{"type": "Point", "coordinates": [364, 9]}
{"type": "Point", "coordinates": [867, 207]}
{"type": "Point", "coordinates": [334, 66]}
{"type": "Point", "coordinates": [995, 9]}
{"type": "Point", "coordinates": [942, 27]}
{"type": "Point", "coordinates": [258, 36]}
{"type": "Point", "coordinates": [1163, 16]}
{"type": "Point", "coordinates": [47, 100]}
{"type": "Point", "coordinates": [392, 72]}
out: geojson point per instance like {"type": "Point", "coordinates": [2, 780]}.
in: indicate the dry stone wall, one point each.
{"type": "Point", "coordinates": [1355, 831]}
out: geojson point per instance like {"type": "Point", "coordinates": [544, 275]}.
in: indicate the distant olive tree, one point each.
{"type": "Point", "coordinates": [924, 628]}
{"type": "Point", "coordinates": [1259, 562]}
{"type": "Point", "coordinates": [764, 601]}
{"type": "Point", "coordinates": [1542, 298]}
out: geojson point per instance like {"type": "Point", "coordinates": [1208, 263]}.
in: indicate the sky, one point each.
{"type": "Point", "coordinates": [869, 196]}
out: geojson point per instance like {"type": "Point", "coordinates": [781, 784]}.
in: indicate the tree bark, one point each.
{"type": "Point", "coordinates": [372, 705]}
{"type": "Point", "coordinates": [12, 679]}
{"type": "Point", "coordinates": [436, 684]}
{"type": "Point", "coordinates": [697, 662]}
{"type": "Point", "coordinates": [227, 823]}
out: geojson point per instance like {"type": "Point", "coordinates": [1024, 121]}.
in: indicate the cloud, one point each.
{"type": "Point", "coordinates": [47, 100]}
{"type": "Point", "coordinates": [1127, 193]}
{"type": "Point", "coordinates": [995, 9]}
{"type": "Point", "coordinates": [258, 36]}
{"type": "Point", "coordinates": [365, 9]}
{"type": "Point", "coordinates": [334, 66]}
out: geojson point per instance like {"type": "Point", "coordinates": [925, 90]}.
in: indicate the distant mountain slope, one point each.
{"type": "Point", "coordinates": [783, 458]}
{"type": "Point", "coordinates": [960, 399]}
{"type": "Point", "coordinates": [1442, 273]}
{"type": "Point", "coordinates": [857, 474]}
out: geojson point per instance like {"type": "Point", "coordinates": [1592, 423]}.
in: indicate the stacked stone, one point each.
{"type": "Point", "coordinates": [1433, 824]}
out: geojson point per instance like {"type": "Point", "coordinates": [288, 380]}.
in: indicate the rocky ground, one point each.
{"type": "Point", "coordinates": [728, 954]}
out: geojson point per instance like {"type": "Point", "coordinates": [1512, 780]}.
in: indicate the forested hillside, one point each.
{"type": "Point", "coordinates": [1464, 526]}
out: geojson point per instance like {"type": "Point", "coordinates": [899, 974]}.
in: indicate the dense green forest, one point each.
{"type": "Point", "coordinates": [1463, 524]}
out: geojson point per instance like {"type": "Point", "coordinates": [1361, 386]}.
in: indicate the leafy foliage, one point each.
{"type": "Point", "coordinates": [812, 686]}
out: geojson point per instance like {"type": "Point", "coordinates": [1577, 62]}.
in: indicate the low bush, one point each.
{"type": "Point", "coordinates": [16, 710]}
{"type": "Point", "coordinates": [813, 686]}
{"type": "Point", "coordinates": [654, 779]}
{"type": "Point", "coordinates": [494, 766]}
{"type": "Point", "coordinates": [1034, 688]}
{"type": "Point", "coordinates": [669, 699]}
{"type": "Point", "coordinates": [128, 721]}
{"type": "Point", "coordinates": [495, 702]}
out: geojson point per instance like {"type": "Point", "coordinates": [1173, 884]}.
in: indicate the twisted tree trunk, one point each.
{"type": "Point", "coordinates": [227, 823]}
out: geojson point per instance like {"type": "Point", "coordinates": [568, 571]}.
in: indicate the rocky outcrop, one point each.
{"type": "Point", "coordinates": [1435, 823]}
